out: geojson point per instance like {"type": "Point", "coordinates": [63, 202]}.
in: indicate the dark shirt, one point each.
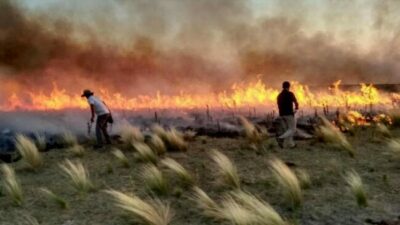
{"type": "Point", "coordinates": [286, 99]}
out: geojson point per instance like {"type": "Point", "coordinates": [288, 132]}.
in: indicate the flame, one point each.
{"type": "Point", "coordinates": [253, 94]}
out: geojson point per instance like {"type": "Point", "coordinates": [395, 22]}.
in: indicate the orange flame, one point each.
{"type": "Point", "coordinates": [253, 94]}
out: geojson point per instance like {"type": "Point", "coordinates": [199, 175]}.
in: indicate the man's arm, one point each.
{"type": "Point", "coordinates": [296, 104]}
{"type": "Point", "coordinates": [92, 111]}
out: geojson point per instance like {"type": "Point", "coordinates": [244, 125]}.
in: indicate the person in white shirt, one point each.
{"type": "Point", "coordinates": [100, 109]}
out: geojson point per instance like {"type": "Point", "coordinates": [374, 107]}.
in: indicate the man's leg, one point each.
{"type": "Point", "coordinates": [99, 131]}
{"type": "Point", "coordinates": [288, 135]}
{"type": "Point", "coordinates": [104, 129]}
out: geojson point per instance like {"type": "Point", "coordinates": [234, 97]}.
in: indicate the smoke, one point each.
{"type": "Point", "coordinates": [142, 46]}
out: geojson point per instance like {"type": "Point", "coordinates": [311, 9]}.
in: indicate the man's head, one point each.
{"type": "Point", "coordinates": [286, 85]}
{"type": "Point", "coordinates": [87, 93]}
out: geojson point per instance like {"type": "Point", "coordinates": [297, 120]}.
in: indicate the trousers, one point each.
{"type": "Point", "coordinates": [289, 133]}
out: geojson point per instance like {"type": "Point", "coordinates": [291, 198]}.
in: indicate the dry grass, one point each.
{"type": "Point", "coordinates": [236, 213]}
{"type": "Point", "coordinates": [304, 178]}
{"type": "Point", "coordinates": [131, 134]}
{"type": "Point", "coordinates": [357, 188]}
{"type": "Point", "coordinates": [175, 141]}
{"type": "Point", "coordinates": [77, 150]}
{"type": "Point", "coordinates": [330, 134]}
{"type": "Point", "coordinates": [29, 151]}
{"type": "Point", "coordinates": [78, 175]}
{"type": "Point", "coordinates": [383, 130]}
{"type": "Point", "coordinates": [12, 185]}
{"type": "Point", "coordinates": [189, 135]}
{"type": "Point", "coordinates": [62, 203]}
{"type": "Point", "coordinates": [157, 144]}
{"type": "Point", "coordinates": [120, 156]}
{"type": "Point", "coordinates": [251, 133]}
{"type": "Point", "coordinates": [154, 180]}
{"type": "Point", "coordinates": [40, 142]}
{"type": "Point", "coordinates": [151, 213]}
{"type": "Point", "coordinates": [209, 207]}
{"type": "Point", "coordinates": [144, 152]}
{"type": "Point", "coordinates": [288, 182]}
{"type": "Point", "coordinates": [69, 139]}
{"type": "Point", "coordinates": [226, 169]}
{"type": "Point", "coordinates": [394, 147]}
{"type": "Point", "coordinates": [265, 214]}
{"type": "Point", "coordinates": [179, 170]}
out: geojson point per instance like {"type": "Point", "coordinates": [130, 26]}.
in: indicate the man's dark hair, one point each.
{"type": "Point", "coordinates": [286, 85]}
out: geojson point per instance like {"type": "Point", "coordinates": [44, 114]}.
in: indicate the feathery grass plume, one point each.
{"type": "Point", "coordinates": [304, 178]}
{"type": "Point", "coordinates": [145, 153]}
{"type": "Point", "coordinates": [12, 185]}
{"type": "Point", "coordinates": [159, 131]}
{"type": "Point", "coordinates": [177, 168]}
{"type": "Point", "coordinates": [265, 214]}
{"type": "Point", "coordinates": [288, 182]}
{"type": "Point", "coordinates": [120, 156]}
{"type": "Point", "coordinates": [40, 141]}
{"type": "Point", "coordinates": [226, 169]}
{"type": "Point", "coordinates": [189, 135]}
{"type": "Point", "coordinates": [204, 202]}
{"type": "Point", "coordinates": [356, 185]}
{"type": "Point", "coordinates": [69, 139]}
{"type": "Point", "coordinates": [78, 175]}
{"type": "Point", "coordinates": [330, 134]}
{"type": "Point", "coordinates": [394, 147]}
{"type": "Point", "coordinates": [77, 150]}
{"type": "Point", "coordinates": [154, 179]}
{"type": "Point", "coordinates": [130, 134]}
{"type": "Point", "coordinates": [151, 213]}
{"type": "Point", "coordinates": [236, 213]}
{"type": "Point", "coordinates": [251, 133]}
{"type": "Point", "coordinates": [157, 144]}
{"type": "Point", "coordinates": [175, 141]}
{"type": "Point", "coordinates": [29, 151]}
{"type": "Point", "coordinates": [54, 198]}
{"type": "Point", "coordinates": [25, 218]}
{"type": "Point", "coordinates": [383, 130]}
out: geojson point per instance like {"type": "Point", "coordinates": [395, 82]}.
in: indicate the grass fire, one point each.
{"type": "Point", "coordinates": [261, 112]}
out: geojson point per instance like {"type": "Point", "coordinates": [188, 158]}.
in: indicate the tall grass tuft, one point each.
{"type": "Point", "coordinates": [12, 185]}
{"type": "Point", "coordinates": [130, 134]}
{"type": "Point", "coordinates": [394, 147]}
{"type": "Point", "coordinates": [288, 182]}
{"type": "Point", "coordinates": [251, 133]}
{"type": "Point", "coordinates": [204, 202]}
{"type": "Point", "coordinates": [179, 170]}
{"type": "Point", "coordinates": [159, 131]}
{"type": "Point", "coordinates": [330, 134]}
{"type": "Point", "coordinates": [62, 203]}
{"type": "Point", "coordinates": [40, 141]}
{"type": "Point", "coordinates": [78, 175]}
{"type": "Point", "coordinates": [304, 178]}
{"type": "Point", "coordinates": [151, 213]}
{"type": "Point", "coordinates": [263, 212]}
{"type": "Point", "coordinates": [29, 151]}
{"type": "Point", "coordinates": [77, 150]}
{"type": "Point", "coordinates": [157, 144]}
{"type": "Point", "coordinates": [175, 141]}
{"type": "Point", "coordinates": [226, 169]}
{"type": "Point", "coordinates": [383, 130]}
{"type": "Point", "coordinates": [154, 179]}
{"type": "Point", "coordinates": [120, 156]}
{"type": "Point", "coordinates": [357, 188]}
{"type": "Point", "coordinates": [236, 213]}
{"type": "Point", "coordinates": [144, 152]}
{"type": "Point", "coordinates": [69, 139]}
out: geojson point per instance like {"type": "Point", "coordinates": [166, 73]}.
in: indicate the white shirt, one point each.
{"type": "Point", "coordinates": [99, 107]}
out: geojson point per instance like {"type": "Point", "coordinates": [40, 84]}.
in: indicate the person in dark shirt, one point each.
{"type": "Point", "coordinates": [286, 100]}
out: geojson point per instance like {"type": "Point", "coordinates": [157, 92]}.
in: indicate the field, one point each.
{"type": "Point", "coordinates": [327, 198]}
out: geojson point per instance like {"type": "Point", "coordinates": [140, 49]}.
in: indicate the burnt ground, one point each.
{"type": "Point", "coordinates": [327, 201]}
